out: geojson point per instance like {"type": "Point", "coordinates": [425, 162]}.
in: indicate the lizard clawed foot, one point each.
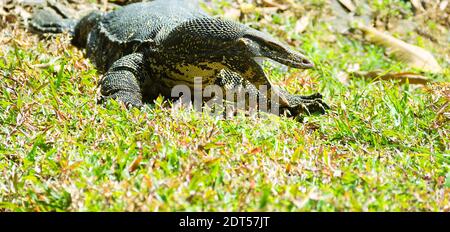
{"type": "Point", "coordinates": [129, 100]}
{"type": "Point", "coordinates": [311, 104]}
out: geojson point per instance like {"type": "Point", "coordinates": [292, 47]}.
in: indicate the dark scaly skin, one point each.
{"type": "Point", "coordinates": [145, 49]}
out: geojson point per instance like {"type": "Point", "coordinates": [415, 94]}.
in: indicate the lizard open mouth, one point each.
{"type": "Point", "coordinates": [281, 65]}
{"type": "Point", "coordinates": [289, 58]}
{"type": "Point", "coordinates": [295, 62]}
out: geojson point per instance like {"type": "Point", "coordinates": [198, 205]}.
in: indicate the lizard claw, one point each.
{"type": "Point", "coordinates": [310, 104]}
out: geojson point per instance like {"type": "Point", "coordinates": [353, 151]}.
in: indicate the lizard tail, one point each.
{"type": "Point", "coordinates": [48, 21]}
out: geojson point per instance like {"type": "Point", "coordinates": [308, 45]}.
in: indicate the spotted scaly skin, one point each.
{"type": "Point", "coordinates": [145, 49]}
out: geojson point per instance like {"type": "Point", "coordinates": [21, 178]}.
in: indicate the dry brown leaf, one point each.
{"type": "Point", "coordinates": [135, 164]}
{"type": "Point", "coordinates": [413, 78]}
{"type": "Point", "coordinates": [211, 160]}
{"type": "Point", "coordinates": [272, 3]}
{"type": "Point", "coordinates": [417, 4]}
{"type": "Point", "coordinates": [255, 150]}
{"type": "Point", "coordinates": [148, 181]}
{"type": "Point", "coordinates": [414, 56]}
{"type": "Point", "coordinates": [267, 11]}
{"type": "Point", "coordinates": [247, 8]}
{"type": "Point", "coordinates": [301, 24]}
{"type": "Point", "coordinates": [443, 5]}
{"type": "Point", "coordinates": [232, 13]}
{"type": "Point", "coordinates": [348, 4]}
{"type": "Point", "coordinates": [74, 165]}
{"type": "Point", "coordinates": [288, 167]}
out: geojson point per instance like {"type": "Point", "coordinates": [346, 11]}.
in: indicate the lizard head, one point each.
{"type": "Point", "coordinates": [257, 44]}
{"type": "Point", "coordinates": [232, 44]}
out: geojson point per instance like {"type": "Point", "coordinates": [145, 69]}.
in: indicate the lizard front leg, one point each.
{"type": "Point", "coordinates": [123, 81]}
{"type": "Point", "coordinates": [297, 104]}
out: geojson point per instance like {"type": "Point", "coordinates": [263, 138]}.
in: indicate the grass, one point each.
{"type": "Point", "coordinates": [382, 147]}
